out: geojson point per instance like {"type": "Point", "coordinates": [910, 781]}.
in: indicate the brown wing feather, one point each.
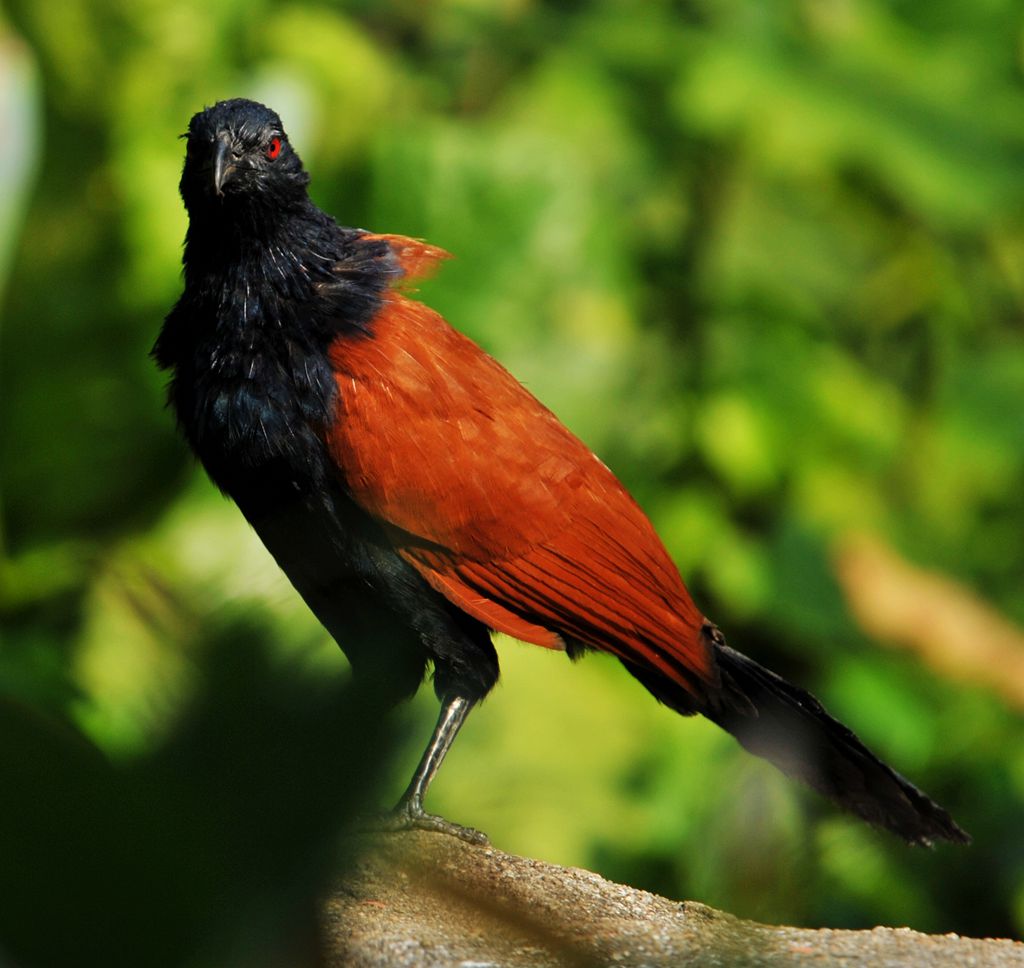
{"type": "Point", "coordinates": [497, 504]}
{"type": "Point", "coordinates": [417, 259]}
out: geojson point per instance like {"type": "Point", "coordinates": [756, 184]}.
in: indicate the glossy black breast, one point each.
{"type": "Point", "coordinates": [254, 404]}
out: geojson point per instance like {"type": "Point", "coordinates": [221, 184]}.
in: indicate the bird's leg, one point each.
{"type": "Point", "coordinates": [409, 812]}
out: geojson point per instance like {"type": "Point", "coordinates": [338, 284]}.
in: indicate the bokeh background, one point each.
{"type": "Point", "coordinates": [766, 258]}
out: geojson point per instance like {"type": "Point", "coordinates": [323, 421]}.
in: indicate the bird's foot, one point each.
{"type": "Point", "coordinates": [411, 816]}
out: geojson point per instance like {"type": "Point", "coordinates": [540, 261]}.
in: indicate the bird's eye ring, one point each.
{"type": "Point", "coordinates": [274, 148]}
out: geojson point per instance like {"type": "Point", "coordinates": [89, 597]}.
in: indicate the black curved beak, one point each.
{"type": "Point", "coordinates": [223, 164]}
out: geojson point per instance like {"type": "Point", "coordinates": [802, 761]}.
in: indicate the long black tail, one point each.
{"type": "Point", "coordinates": [791, 729]}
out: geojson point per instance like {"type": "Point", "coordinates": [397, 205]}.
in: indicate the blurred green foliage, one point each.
{"type": "Point", "coordinates": [766, 258]}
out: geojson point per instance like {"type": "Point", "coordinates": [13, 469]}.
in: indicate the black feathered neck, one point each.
{"type": "Point", "coordinates": [301, 276]}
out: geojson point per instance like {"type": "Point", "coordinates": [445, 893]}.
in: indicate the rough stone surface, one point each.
{"type": "Point", "coordinates": [431, 901]}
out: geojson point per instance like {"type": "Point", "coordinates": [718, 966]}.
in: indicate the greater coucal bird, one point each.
{"type": "Point", "coordinates": [419, 498]}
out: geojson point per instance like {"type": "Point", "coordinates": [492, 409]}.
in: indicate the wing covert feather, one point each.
{"type": "Point", "coordinates": [417, 259]}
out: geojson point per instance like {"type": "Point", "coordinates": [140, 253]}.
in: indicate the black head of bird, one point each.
{"type": "Point", "coordinates": [239, 157]}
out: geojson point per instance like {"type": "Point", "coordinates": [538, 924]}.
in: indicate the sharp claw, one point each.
{"type": "Point", "coordinates": [407, 816]}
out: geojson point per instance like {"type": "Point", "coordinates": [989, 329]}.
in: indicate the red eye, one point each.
{"type": "Point", "coordinates": [274, 148]}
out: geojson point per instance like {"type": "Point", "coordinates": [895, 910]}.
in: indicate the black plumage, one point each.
{"type": "Point", "coordinates": [270, 283]}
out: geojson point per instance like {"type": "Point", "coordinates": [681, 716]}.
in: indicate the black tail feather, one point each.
{"type": "Point", "coordinates": [787, 726]}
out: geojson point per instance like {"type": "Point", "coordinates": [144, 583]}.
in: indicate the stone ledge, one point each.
{"type": "Point", "coordinates": [431, 901]}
